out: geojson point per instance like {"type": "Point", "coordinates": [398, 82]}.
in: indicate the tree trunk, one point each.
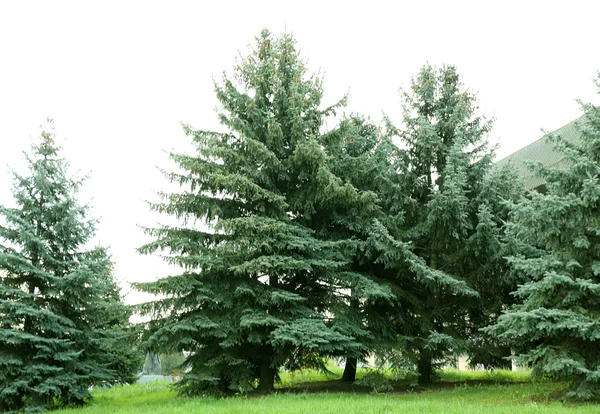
{"type": "Point", "coordinates": [350, 370]}
{"type": "Point", "coordinates": [351, 362]}
{"type": "Point", "coordinates": [424, 366]}
{"type": "Point", "coordinates": [266, 381]}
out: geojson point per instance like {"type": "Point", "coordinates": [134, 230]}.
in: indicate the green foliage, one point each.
{"type": "Point", "coordinates": [377, 381]}
{"type": "Point", "coordinates": [558, 321]}
{"type": "Point", "coordinates": [257, 278]}
{"type": "Point", "coordinates": [345, 210]}
{"type": "Point", "coordinates": [62, 322]}
{"type": "Point", "coordinates": [445, 254]}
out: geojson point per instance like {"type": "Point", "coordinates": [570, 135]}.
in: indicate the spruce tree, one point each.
{"type": "Point", "coordinates": [62, 322]}
{"type": "Point", "coordinates": [436, 254]}
{"type": "Point", "coordinates": [359, 155]}
{"type": "Point", "coordinates": [558, 321]}
{"type": "Point", "coordinates": [486, 269]}
{"type": "Point", "coordinates": [257, 279]}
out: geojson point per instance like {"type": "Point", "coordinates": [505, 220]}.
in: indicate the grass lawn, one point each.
{"type": "Point", "coordinates": [311, 392]}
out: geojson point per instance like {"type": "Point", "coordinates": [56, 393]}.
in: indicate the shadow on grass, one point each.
{"type": "Point", "coordinates": [399, 387]}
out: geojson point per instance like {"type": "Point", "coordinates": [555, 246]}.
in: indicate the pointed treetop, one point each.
{"type": "Point", "coordinates": [47, 146]}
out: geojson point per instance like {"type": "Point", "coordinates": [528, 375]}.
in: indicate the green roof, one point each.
{"type": "Point", "coordinates": [542, 151]}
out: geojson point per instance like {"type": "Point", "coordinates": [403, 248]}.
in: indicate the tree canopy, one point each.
{"type": "Point", "coordinates": [63, 327]}
{"type": "Point", "coordinates": [304, 234]}
{"type": "Point", "coordinates": [259, 279]}
{"type": "Point", "coordinates": [558, 324]}
{"type": "Point", "coordinates": [444, 255]}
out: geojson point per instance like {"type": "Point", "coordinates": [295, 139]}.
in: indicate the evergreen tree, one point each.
{"type": "Point", "coordinates": [359, 155]}
{"type": "Point", "coordinates": [258, 280]}
{"type": "Point", "coordinates": [558, 321]}
{"type": "Point", "coordinates": [438, 252]}
{"type": "Point", "coordinates": [61, 318]}
{"type": "Point", "coordinates": [486, 268]}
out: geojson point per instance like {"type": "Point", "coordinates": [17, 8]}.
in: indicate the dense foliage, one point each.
{"type": "Point", "coordinates": [62, 322]}
{"type": "Point", "coordinates": [258, 279]}
{"type": "Point", "coordinates": [558, 322]}
{"type": "Point", "coordinates": [296, 243]}
{"type": "Point", "coordinates": [442, 246]}
{"type": "Point", "coordinates": [361, 157]}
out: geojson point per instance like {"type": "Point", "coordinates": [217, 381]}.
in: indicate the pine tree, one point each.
{"type": "Point", "coordinates": [435, 255]}
{"type": "Point", "coordinates": [62, 323]}
{"type": "Point", "coordinates": [257, 280]}
{"type": "Point", "coordinates": [558, 321]}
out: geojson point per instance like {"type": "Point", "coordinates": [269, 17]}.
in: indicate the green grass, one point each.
{"type": "Point", "coordinates": [499, 375]}
{"type": "Point", "coordinates": [291, 379]}
{"type": "Point", "coordinates": [457, 392]}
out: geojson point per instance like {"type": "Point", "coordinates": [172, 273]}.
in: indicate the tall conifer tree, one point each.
{"type": "Point", "coordinates": [360, 156]}
{"type": "Point", "coordinates": [258, 279]}
{"type": "Point", "coordinates": [62, 322]}
{"type": "Point", "coordinates": [435, 254]}
{"type": "Point", "coordinates": [558, 321]}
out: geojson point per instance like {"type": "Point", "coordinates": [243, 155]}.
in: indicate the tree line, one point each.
{"type": "Point", "coordinates": [298, 243]}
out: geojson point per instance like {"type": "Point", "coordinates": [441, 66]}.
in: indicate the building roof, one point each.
{"type": "Point", "coordinates": [542, 151]}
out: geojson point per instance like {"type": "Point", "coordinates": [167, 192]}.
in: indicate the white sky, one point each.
{"type": "Point", "coordinates": [119, 76]}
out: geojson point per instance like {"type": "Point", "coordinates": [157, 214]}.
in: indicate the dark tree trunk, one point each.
{"type": "Point", "coordinates": [424, 366]}
{"type": "Point", "coordinates": [351, 362]}
{"type": "Point", "coordinates": [350, 370]}
{"type": "Point", "coordinates": [266, 381]}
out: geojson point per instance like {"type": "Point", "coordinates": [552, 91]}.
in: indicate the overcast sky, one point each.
{"type": "Point", "coordinates": [119, 76]}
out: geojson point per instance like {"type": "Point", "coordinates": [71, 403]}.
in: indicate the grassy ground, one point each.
{"type": "Point", "coordinates": [312, 392]}
{"type": "Point", "coordinates": [294, 379]}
